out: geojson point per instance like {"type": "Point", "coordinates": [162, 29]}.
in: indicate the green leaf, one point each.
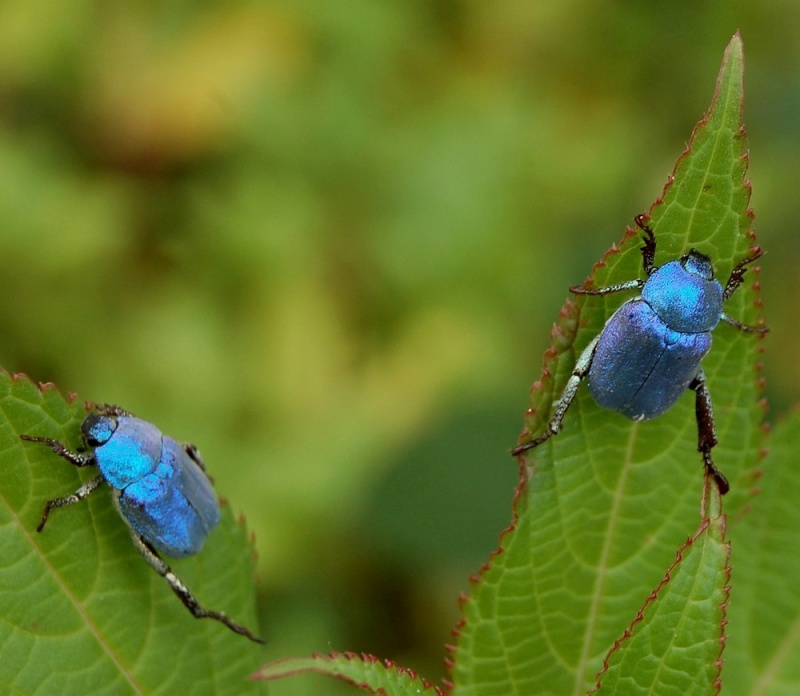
{"type": "Point", "coordinates": [364, 671]}
{"type": "Point", "coordinates": [764, 615]}
{"type": "Point", "coordinates": [81, 610]}
{"type": "Point", "coordinates": [659, 654]}
{"type": "Point", "coordinates": [603, 506]}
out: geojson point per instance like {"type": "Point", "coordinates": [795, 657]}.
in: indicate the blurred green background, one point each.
{"type": "Point", "coordinates": [326, 242]}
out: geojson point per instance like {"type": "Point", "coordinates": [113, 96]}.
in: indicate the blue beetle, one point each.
{"type": "Point", "coordinates": [649, 351]}
{"type": "Point", "coordinates": [159, 487]}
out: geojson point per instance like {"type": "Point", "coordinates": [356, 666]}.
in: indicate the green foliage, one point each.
{"type": "Point", "coordinates": [266, 225]}
{"type": "Point", "coordinates": [605, 581]}
{"type": "Point", "coordinates": [761, 652]}
{"type": "Point", "coordinates": [82, 612]}
{"type": "Point", "coordinates": [673, 645]}
{"type": "Point", "coordinates": [322, 240]}
{"type": "Point", "coordinates": [608, 502]}
{"type": "Point", "coordinates": [364, 671]}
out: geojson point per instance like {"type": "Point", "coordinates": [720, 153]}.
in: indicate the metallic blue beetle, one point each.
{"type": "Point", "coordinates": [160, 488]}
{"type": "Point", "coordinates": [649, 351]}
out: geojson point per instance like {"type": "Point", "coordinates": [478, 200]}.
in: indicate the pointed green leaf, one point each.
{"type": "Point", "coordinates": [365, 671]}
{"type": "Point", "coordinates": [659, 655]}
{"type": "Point", "coordinates": [604, 505]}
{"type": "Point", "coordinates": [81, 610]}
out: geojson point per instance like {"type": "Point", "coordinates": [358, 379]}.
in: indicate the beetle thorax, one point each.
{"type": "Point", "coordinates": [685, 295]}
{"type": "Point", "coordinates": [132, 452]}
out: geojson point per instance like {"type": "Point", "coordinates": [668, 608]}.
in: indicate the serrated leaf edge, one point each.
{"type": "Point", "coordinates": [628, 633]}
{"type": "Point", "coordinates": [330, 658]}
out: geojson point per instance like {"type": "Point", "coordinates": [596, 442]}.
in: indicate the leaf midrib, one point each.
{"type": "Point", "coordinates": [79, 608]}
{"type": "Point", "coordinates": [603, 566]}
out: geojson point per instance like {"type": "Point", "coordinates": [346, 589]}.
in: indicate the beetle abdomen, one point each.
{"type": "Point", "coordinates": [641, 367]}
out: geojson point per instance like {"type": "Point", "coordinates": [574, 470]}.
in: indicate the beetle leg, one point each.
{"type": "Point", "coordinates": [62, 450]}
{"type": "Point", "coordinates": [648, 260]}
{"type": "Point", "coordinates": [619, 287]}
{"type": "Point", "coordinates": [735, 279]}
{"type": "Point", "coordinates": [112, 410]}
{"type": "Point", "coordinates": [649, 247]}
{"type": "Point", "coordinates": [71, 499]}
{"type": "Point", "coordinates": [749, 328]}
{"type": "Point", "coordinates": [184, 594]}
{"type": "Point", "coordinates": [560, 407]}
{"type": "Point", "coordinates": [706, 433]}
{"type": "Point", "coordinates": [194, 455]}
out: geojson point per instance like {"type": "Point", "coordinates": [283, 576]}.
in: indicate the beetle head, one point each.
{"type": "Point", "coordinates": [98, 429]}
{"type": "Point", "coordinates": [699, 264]}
